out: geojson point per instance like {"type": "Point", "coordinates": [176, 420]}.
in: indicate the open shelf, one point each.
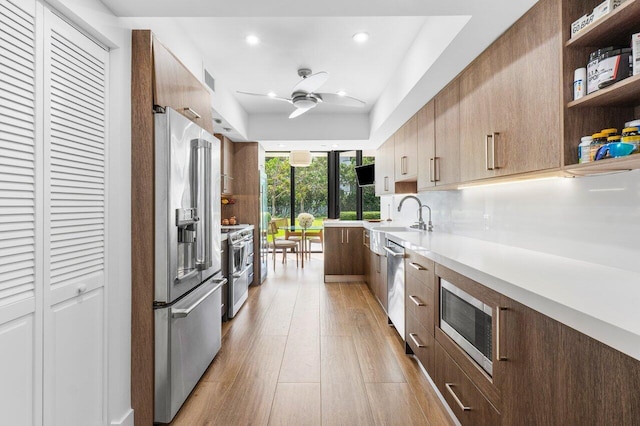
{"type": "Point", "coordinates": [622, 93]}
{"type": "Point", "coordinates": [608, 165]}
{"type": "Point", "coordinates": [613, 29]}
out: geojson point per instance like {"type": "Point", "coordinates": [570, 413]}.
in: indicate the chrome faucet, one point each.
{"type": "Point", "coordinates": [420, 225]}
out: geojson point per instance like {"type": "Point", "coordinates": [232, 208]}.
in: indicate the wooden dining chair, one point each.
{"type": "Point", "coordinates": [281, 244]}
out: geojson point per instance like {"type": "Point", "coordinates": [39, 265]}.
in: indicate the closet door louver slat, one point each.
{"type": "Point", "coordinates": [17, 160]}
{"type": "Point", "coordinates": [76, 154]}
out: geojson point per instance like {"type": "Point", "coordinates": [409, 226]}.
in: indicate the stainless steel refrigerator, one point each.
{"type": "Point", "coordinates": [187, 260]}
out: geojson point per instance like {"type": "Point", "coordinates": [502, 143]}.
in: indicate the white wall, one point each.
{"type": "Point", "coordinates": [93, 17]}
{"type": "Point", "coordinates": [595, 219]}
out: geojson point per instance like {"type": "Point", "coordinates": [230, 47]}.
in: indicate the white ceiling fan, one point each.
{"type": "Point", "coordinates": [303, 95]}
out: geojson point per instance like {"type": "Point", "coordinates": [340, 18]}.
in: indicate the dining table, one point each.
{"type": "Point", "coordinates": [298, 230]}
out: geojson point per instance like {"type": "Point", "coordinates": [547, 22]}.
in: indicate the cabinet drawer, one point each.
{"type": "Point", "coordinates": [421, 342]}
{"type": "Point", "coordinates": [467, 402]}
{"type": "Point", "coordinates": [419, 301]}
{"type": "Point", "coordinates": [419, 267]}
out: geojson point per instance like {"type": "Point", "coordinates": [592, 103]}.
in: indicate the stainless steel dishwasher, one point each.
{"type": "Point", "coordinates": [395, 285]}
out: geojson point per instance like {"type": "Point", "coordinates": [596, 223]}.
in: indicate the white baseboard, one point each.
{"type": "Point", "coordinates": [126, 420]}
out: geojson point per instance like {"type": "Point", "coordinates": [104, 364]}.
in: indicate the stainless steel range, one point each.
{"type": "Point", "coordinates": [240, 243]}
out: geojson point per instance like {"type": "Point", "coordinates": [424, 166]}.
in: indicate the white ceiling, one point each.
{"type": "Point", "coordinates": [415, 48]}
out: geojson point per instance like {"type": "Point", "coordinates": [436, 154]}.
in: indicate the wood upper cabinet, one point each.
{"type": "Point", "coordinates": [226, 166]}
{"type": "Point", "coordinates": [385, 179]}
{"type": "Point", "coordinates": [447, 134]}
{"type": "Point", "coordinates": [426, 132]}
{"type": "Point", "coordinates": [176, 87]}
{"type": "Point", "coordinates": [344, 251]}
{"type": "Point", "coordinates": [406, 151]}
{"type": "Point", "coordinates": [509, 109]}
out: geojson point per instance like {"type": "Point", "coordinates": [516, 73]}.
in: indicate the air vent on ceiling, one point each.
{"type": "Point", "coordinates": [209, 81]}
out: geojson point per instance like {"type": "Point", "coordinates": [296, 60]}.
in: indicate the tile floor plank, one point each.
{"type": "Point", "coordinates": [394, 404]}
{"type": "Point", "coordinates": [296, 404]}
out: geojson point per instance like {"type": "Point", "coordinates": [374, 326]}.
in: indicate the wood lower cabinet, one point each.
{"type": "Point", "coordinates": [466, 401]}
{"type": "Point", "coordinates": [544, 372]}
{"type": "Point", "coordinates": [343, 251]}
{"type": "Point", "coordinates": [421, 342]}
{"type": "Point", "coordinates": [378, 278]}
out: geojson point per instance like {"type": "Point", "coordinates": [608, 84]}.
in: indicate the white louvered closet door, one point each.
{"type": "Point", "coordinates": [20, 231]}
{"type": "Point", "coordinates": [75, 70]}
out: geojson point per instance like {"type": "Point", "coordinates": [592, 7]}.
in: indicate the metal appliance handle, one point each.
{"type": "Point", "coordinates": [393, 253]}
{"type": "Point", "coordinates": [202, 183]}
{"type": "Point", "coordinates": [186, 276]}
{"type": "Point", "coordinates": [182, 313]}
{"type": "Point", "coordinates": [499, 355]}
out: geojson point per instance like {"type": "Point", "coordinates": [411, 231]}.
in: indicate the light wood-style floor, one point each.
{"type": "Point", "coordinates": [302, 352]}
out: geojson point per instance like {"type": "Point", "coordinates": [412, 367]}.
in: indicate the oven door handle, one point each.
{"type": "Point", "coordinates": [239, 274]}
{"type": "Point", "coordinates": [182, 313]}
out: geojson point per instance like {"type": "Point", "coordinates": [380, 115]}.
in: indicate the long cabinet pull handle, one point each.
{"type": "Point", "coordinates": [432, 172]}
{"type": "Point", "coordinates": [342, 236]}
{"type": "Point", "coordinates": [499, 355]}
{"type": "Point", "coordinates": [416, 301]}
{"type": "Point", "coordinates": [486, 152]}
{"type": "Point", "coordinates": [403, 164]}
{"type": "Point", "coordinates": [416, 341]}
{"type": "Point", "coordinates": [386, 183]}
{"type": "Point", "coordinates": [347, 236]}
{"type": "Point", "coordinates": [463, 407]}
{"type": "Point", "coordinates": [436, 173]}
{"type": "Point", "coordinates": [417, 266]}
{"type": "Point", "coordinates": [493, 150]}
{"type": "Point", "coordinates": [191, 111]}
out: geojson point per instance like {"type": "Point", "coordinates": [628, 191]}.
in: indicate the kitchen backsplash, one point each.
{"type": "Point", "coordinates": [594, 218]}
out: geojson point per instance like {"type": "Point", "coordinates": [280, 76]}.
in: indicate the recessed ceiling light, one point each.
{"type": "Point", "coordinates": [252, 40]}
{"type": "Point", "coordinates": [335, 145]}
{"type": "Point", "coordinates": [271, 94]}
{"type": "Point", "coordinates": [217, 120]}
{"type": "Point", "coordinates": [360, 37]}
{"type": "Point", "coordinates": [341, 93]}
{"type": "Point", "coordinates": [281, 145]}
{"type": "Point", "coordinates": [227, 129]}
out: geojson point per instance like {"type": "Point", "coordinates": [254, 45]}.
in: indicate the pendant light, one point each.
{"type": "Point", "coordinates": [300, 158]}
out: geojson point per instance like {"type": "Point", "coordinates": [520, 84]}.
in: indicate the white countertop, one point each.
{"type": "Point", "coordinates": [342, 223]}
{"type": "Point", "coordinates": [599, 301]}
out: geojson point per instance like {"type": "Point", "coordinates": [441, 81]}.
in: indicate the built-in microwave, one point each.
{"type": "Point", "coordinates": [469, 322]}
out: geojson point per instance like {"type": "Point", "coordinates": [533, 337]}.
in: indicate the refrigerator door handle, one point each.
{"type": "Point", "coordinates": [182, 313]}
{"type": "Point", "coordinates": [202, 194]}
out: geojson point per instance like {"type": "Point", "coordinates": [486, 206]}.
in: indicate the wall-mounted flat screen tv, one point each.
{"type": "Point", "coordinates": [365, 175]}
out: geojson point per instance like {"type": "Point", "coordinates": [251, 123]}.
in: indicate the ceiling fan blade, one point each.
{"type": "Point", "coordinates": [311, 83]}
{"type": "Point", "coordinates": [298, 112]}
{"type": "Point", "coordinates": [333, 99]}
{"type": "Point", "coordinates": [277, 98]}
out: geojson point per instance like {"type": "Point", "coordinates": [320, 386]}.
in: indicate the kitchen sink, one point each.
{"type": "Point", "coordinates": [378, 234]}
